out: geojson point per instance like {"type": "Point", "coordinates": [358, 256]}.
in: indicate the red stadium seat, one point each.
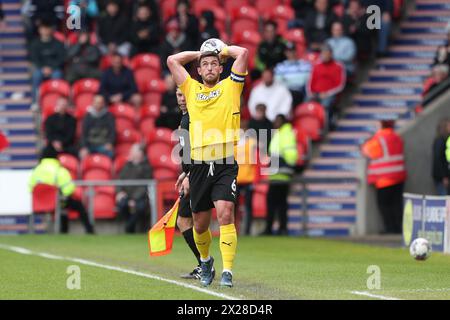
{"type": "Point", "coordinates": [162, 135]}
{"type": "Point", "coordinates": [83, 92]}
{"type": "Point", "coordinates": [312, 57]}
{"type": "Point", "coordinates": [168, 8]}
{"type": "Point", "coordinates": [51, 90]}
{"type": "Point", "coordinates": [146, 66]}
{"type": "Point", "coordinates": [71, 163]}
{"type": "Point", "coordinates": [129, 136]}
{"type": "Point", "coordinates": [96, 167]}
{"type": "Point", "coordinates": [244, 18]}
{"type": "Point", "coordinates": [59, 36]}
{"type": "Point", "coordinates": [201, 5]}
{"type": "Point", "coordinates": [264, 6]}
{"type": "Point", "coordinates": [281, 14]}
{"type": "Point", "coordinates": [250, 40]}
{"type": "Point", "coordinates": [160, 155]}
{"type": "Point", "coordinates": [152, 91]}
{"type": "Point", "coordinates": [310, 117]}
{"type": "Point", "coordinates": [220, 17]}
{"type": "Point", "coordinates": [259, 201]}
{"type": "Point", "coordinates": [44, 198]}
{"type": "Point", "coordinates": [125, 116]}
{"type": "Point", "coordinates": [150, 111]}
{"type": "Point", "coordinates": [296, 36]}
{"type": "Point", "coordinates": [303, 146]}
{"type": "Point", "coordinates": [230, 5]}
{"type": "Point", "coordinates": [104, 203]}
{"type": "Point", "coordinates": [146, 127]}
{"type": "Point", "coordinates": [105, 62]}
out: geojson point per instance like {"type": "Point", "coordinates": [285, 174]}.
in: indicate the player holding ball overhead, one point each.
{"type": "Point", "coordinates": [214, 110]}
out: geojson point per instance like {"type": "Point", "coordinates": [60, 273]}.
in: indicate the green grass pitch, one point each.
{"type": "Point", "coordinates": [265, 268]}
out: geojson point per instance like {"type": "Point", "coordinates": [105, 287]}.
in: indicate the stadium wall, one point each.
{"type": "Point", "coordinates": [418, 137]}
{"type": "Point", "coordinates": [15, 197]}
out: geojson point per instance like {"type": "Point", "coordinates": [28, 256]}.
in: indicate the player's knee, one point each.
{"type": "Point", "coordinates": [225, 213]}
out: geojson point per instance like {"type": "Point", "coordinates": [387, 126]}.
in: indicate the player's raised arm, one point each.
{"type": "Point", "coordinates": [176, 64]}
{"type": "Point", "coordinates": [240, 55]}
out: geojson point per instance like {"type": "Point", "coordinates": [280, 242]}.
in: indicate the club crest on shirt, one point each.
{"type": "Point", "coordinates": [205, 97]}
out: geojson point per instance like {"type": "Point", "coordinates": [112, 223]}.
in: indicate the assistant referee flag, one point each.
{"type": "Point", "coordinates": [160, 236]}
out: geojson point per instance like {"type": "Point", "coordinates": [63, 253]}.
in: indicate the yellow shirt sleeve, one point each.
{"type": "Point", "coordinates": [186, 87]}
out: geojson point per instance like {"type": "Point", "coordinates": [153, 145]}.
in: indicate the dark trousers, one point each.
{"type": "Point", "coordinates": [132, 215]}
{"type": "Point", "coordinates": [277, 205]}
{"type": "Point", "coordinates": [390, 204]}
{"type": "Point", "coordinates": [78, 206]}
{"type": "Point", "coordinates": [247, 191]}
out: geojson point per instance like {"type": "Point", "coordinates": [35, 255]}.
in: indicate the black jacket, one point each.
{"type": "Point", "coordinates": [271, 53]}
{"type": "Point", "coordinates": [133, 171]}
{"type": "Point", "coordinates": [98, 129]}
{"type": "Point", "coordinates": [123, 83]}
{"type": "Point", "coordinates": [440, 164]}
{"type": "Point", "coordinates": [48, 54]}
{"type": "Point", "coordinates": [259, 125]}
{"type": "Point", "coordinates": [61, 128]}
{"type": "Point", "coordinates": [84, 56]}
{"type": "Point", "coordinates": [169, 47]}
{"type": "Point", "coordinates": [312, 32]}
{"type": "Point", "coordinates": [113, 29]}
{"type": "Point", "coordinates": [148, 44]}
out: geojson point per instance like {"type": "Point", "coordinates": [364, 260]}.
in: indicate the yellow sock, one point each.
{"type": "Point", "coordinates": [228, 243]}
{"type": "Point", "coordinates": [203, 241]}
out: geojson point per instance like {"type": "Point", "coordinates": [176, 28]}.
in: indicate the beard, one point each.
{"type": "Point", "coordinates": [211, 81]}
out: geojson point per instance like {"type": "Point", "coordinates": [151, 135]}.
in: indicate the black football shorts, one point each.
{"type": "Point", "coordinates": [184, 208]}
{"type": "Point", "coordinates": [212, 181]}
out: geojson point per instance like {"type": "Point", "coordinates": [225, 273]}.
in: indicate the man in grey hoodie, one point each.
{"type": "Point", "coordinates": [99, 131]}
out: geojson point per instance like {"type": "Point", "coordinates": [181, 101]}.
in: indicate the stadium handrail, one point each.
{"type": "Point", "coordinates": [436, 91]}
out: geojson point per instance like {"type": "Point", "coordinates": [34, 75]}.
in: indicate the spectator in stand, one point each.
{"type": "Point", "coordinates": [344, 49]}
{"type": "Point", "coordinates": [207, 27]}
{"type": "Point", "coordinates": [439, 73]}
{"type": "Point", "coordinates": [294, 73]}
{"type": "Point", "coordinates": [170, 116]}
{"type": "Point", "coordinates": [36, 12]}
{"type": "Point", "coordinates": [83, 59]}
{"type": "Point", "coordinates": [118, 85]}
{"type": "Point", "coordinates": [318, 24]}
{"type": "Point", "coordinates": [47, 57]}
{"type": "Point", "coordinates": [355, 26]}
{"type": "Point", "coordinates": [132, 201]}
{"type": "Point", "coordinates": [440, 169]}
{"type": "Point", "coordinates": [387, 9]}
{"type": "Point", "coordinates": [152, 4]}
{"type": "Point", "coordinates": [113, 30]}
{"type": "Point", "coordinates": [99, 130]}
{"type": "Point", "coordinates": [175, 41]}
{"type": "Point", "coordinates": [283, 150]}
{"type": "Point", "coordinates": [442, 56]}
{"type": "Point", "coordinates": [274, 95]}
{"type": "Point", "coordinates": [327, 80]}
{"type": "Point", "coordinates": [188, 23]}
{"type": "Point", "coordinates": [145, 31]}
{"type": "Point", "coordinates": [49, 171]}
{"type": "Point", "coordinates": [302, 8]}
{"type": "Point", "coordinates": [88, 12]}
{"type": "Point", "coordinates": [60, 129]}
{"type": "Point", "coordinates": [271, 49]}
{"type": "Point", "coordinates": [260, 124]}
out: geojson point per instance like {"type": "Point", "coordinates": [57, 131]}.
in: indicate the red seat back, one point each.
{"type": "Point", "coordinates": [98, 162]}
{"type": "Point", "coordinates": [69, 162]}
{"type": "Point", "coordinates": [51, 90]}
{"type": "Point", "coordinates": [44, 198]}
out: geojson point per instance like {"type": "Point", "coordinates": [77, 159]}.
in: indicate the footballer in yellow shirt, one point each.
{"type": "Point", "coordinates": [214, 110]}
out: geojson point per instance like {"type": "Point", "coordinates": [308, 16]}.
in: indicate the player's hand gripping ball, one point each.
{"type": "Point", "coordinates": [213, 44]}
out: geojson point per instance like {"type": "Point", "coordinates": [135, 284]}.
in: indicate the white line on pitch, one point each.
{"type": "Point", "coordinates": [376, 296]}
{"type": "Point", "coordinates": [114, 268]}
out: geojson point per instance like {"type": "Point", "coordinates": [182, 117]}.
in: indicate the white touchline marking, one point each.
{"type": "Point", "coordinates": [114, 268]}
{"type": "Point", "coordinates": [377, 296]}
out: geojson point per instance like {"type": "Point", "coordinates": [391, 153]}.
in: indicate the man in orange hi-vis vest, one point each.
{"type": "Point", "coordinates": [387, 172]}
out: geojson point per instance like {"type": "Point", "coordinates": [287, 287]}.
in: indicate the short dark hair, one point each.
{"type": "Point", "coordinates": [208, 54]}
{"type": "Point", "coordinates": [271, 23]}
{"type": "Point", "coordinates": [49, 152]}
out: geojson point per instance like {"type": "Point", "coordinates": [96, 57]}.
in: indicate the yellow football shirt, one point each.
{"type": "Point", "coordinates": [214, 116]}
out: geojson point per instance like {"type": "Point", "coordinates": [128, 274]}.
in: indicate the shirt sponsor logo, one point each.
{"type": "Point", "coordinates": [205, 97]}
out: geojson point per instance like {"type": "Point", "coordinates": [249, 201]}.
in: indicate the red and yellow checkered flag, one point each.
{"type": "Point", "coordinates": [160, 236]}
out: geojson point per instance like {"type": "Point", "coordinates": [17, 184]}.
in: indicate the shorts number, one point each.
{"type": "Point", "coordinates": [233, 185]}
